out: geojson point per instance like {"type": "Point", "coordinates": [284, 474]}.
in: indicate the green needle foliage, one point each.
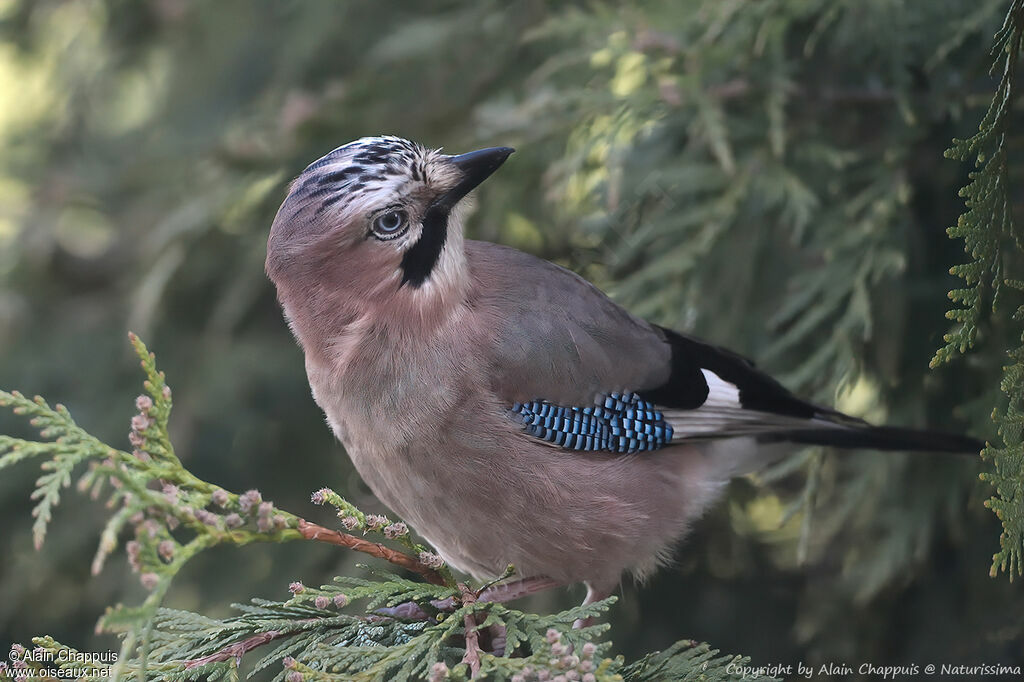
{"type": "Point", "coordinates": [995, 243]}
{"type": "Point", "coordinates": [384, 627]}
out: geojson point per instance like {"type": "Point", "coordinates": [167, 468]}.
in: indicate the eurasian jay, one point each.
{"type": "Point", "coordinates": [502, 405]}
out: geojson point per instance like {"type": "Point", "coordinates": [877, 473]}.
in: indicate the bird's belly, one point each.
{"type": "Point", "coordinates": [420, 488]}
{"type": "Point", "coordinates": [463, 475]}
{"type": "Point", "coordinates": [565, 515]}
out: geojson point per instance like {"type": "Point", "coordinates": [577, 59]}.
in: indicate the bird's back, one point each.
{"type": "Point", "coordinates": [554, 335]}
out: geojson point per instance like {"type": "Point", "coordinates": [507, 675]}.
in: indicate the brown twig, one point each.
{"type": "Point", "coordinates": [236, 650]}
{"type": "Point", "coordinates": [312, 531]}
{"type": "Point", "coordinates": [472, 655]}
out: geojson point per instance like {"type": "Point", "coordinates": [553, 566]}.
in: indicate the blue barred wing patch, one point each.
{"type": "Point", "coordinates": [617, 422]}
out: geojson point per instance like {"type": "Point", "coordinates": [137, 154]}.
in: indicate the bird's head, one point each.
{"type": "Point", "coordinates": [378, 216]}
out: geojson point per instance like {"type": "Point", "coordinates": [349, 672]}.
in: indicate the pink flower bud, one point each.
{"type": "Point", "coordinates": [249, 500]}
{"type": "Point", "coordinates": [376, 521]}
{"type": "Point", "coordinates": [171, 493]}
{"type": "Point", "coordinates": [396, 530]}
{"type": "Point", "coordinates": [149, 580]}
{"type": "Point", "coordinates": [438, 672]}
{"type": "Point", "coordinates": [140, 423]}
{"type": "Point", "coordinates": [431, 560]}
{"type": "Point", "coordinates": [207, 517]}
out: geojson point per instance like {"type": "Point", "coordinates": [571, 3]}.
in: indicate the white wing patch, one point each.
{"type": "Point", "coordinates": [723, 416]}
{"type": "Point", "coordinates": [720, 392]}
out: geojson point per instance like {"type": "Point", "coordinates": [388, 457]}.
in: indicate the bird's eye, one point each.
{"type": "Point", "coordinates": [389, 225]}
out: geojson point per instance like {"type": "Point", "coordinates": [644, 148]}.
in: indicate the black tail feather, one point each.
{"type": "Point", "coordinates": [884, 438]}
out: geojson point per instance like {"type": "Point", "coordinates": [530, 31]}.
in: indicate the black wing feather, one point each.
{"type": "Point", "coordinates": [687, 389]}
{"type": "Point", "coordinates": [769, 411]}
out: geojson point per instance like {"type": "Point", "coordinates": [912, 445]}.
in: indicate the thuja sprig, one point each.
{"type": "Point", "coordinates": [352, 520]}
{"type": "Point", "coordinates": [169, 514]}
{"type": "Point", "coordinates": [322, 634]}
{"type": "Point", "coordinates": [312, 638]}
{"type": "Point", "coordinates": [995, 243]}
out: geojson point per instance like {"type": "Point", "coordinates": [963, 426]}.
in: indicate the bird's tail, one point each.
{"type": "Point", "coordinates": [872, 437]}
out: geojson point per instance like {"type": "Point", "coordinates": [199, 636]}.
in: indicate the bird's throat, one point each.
{"type": "Point", "coordinates": [422, 257]}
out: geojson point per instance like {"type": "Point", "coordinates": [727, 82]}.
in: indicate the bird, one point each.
{"type": "Point", "coordinates": [503, 406]}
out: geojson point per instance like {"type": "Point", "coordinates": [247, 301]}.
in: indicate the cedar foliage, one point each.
{"type": "Point", "coordinates": [995, 242]}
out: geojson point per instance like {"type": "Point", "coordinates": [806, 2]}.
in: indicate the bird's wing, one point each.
{"type": "Point", "coordinates": [580, 372]}
{"type": "Point", "coordinates": [711, 392]}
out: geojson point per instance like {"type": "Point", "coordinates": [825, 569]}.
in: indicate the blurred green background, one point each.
{"type": "Point", "coordinates": [767, 175]}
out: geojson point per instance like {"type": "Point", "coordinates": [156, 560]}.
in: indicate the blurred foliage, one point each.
{"type": "Point", "coordinates": [767, 175]}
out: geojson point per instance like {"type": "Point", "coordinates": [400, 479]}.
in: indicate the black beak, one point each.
{"type": "Point", "coordinates": [476, 167]}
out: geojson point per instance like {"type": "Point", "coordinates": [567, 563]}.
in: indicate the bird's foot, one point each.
{"type": "Point", "coordinates": [493, 593]}
{"type": "Point", "coordinates": [516, 589]}
{"type": "Point", "coordinates": [592, 596]}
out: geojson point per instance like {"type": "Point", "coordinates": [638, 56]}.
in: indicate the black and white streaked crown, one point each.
{"type": "Point", "coordinates": [366, 166]}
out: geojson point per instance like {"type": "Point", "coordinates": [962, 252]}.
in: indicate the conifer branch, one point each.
{"type": "Point", "coordinates": [987, 226]}
{"type": "Point", "coordinates": [312, 531]}
{"type": "Point", "coordinates": [472, 656]}
{"type": "Point", "coordinates": [995, 243]}
{"type": "Point", "coordinates": [236, 651]}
